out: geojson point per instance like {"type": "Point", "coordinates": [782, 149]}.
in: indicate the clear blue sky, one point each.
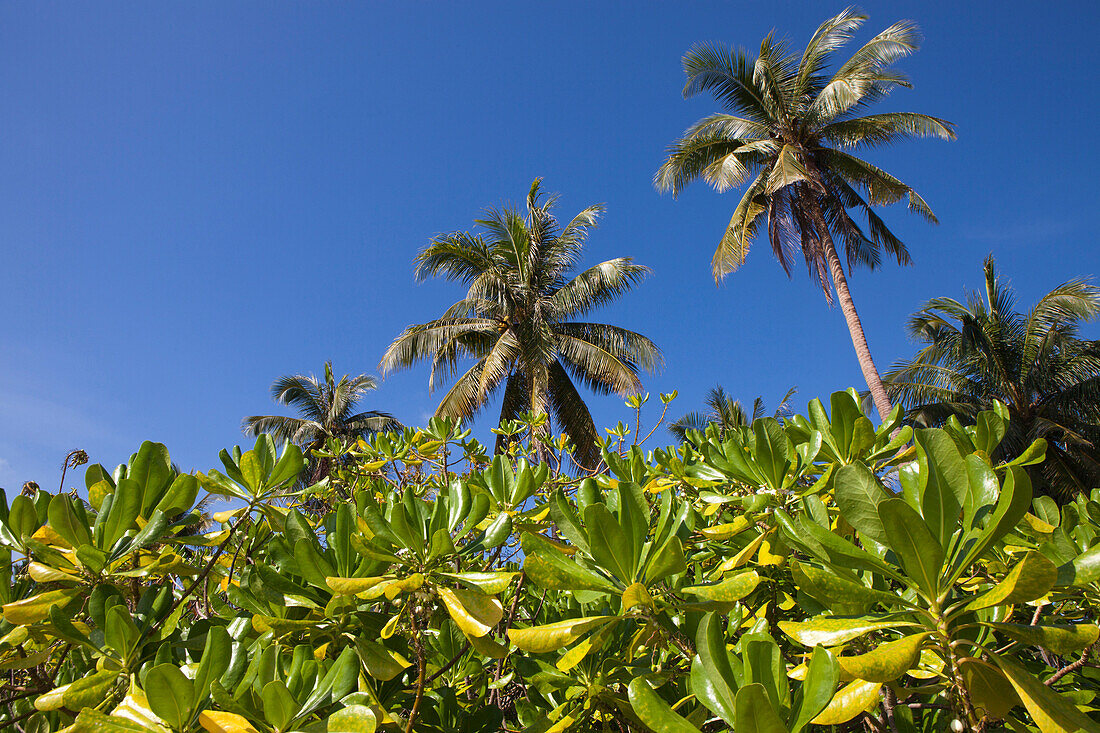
{"type": "Point", "coordinates": [198, 197]}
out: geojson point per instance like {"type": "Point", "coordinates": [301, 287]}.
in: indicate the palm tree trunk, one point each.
{"type": "Point", "coordinates": [848, 307]}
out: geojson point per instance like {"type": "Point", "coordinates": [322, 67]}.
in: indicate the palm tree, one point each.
{"type": "Point", "coordinates": [516, 321]}
{"type": "Point", "coordinates": [726, 414]}
{"type": "Point", "coordinates": [1034, 362]}
{"type": "Point", "coordinates": [786, 129]}
{"type": "Point", "coordinates": [326, 409]}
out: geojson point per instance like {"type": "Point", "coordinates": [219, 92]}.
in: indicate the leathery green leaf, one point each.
{"type": "Point", "coordinates": [475, 612]}
{"type": "Point", "coordinates": [753, 711]}
{"type": "Point", "coordinates": [989, 689]}
{"type": "Point", "coordinates": [1060, 639]}
{"type": "Point", "coordinates": [858, 495]}
{"type": "Point", "coordinates": [833, 631]}
{"type": "Point", "coordinates": [917, 549]}
{"type": "Point", "coordinates": [541, 639]}
{"type": "Point", "coordinates": [729, 590]}
{"type": "Point", "coordinates": [1029, 579]}
{"type": "Point", "coordinates": [554, 571]}
{"type": "Point", "coordinates": [654, 711]}
{"type": "Point", "coordinates": [886, 662]}
{"type": "Point", "coordinates": [710, 644]}
{"type": "Point", "coordinates": [818, 687]}
{"type": "Point", "coordinates": [1050, 711]}
{"type": "Point", "coordinates": [170, 694]}
{"type": "Point", "coordinates": [856, 697]}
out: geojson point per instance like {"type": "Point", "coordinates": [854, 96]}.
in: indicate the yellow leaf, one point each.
{"type": "Point", "coordinates": [46, 574]}
{"type": "Point", "coordinates": [474, 612]}
{"type": "Point", "coordinates": [725, 531]}
{"type": "Point", "coordinates": [636, 595]}
{"type": "Point", "coordinates": [856, 697]}
{"type": "Point", "coordinates": [219, 721]}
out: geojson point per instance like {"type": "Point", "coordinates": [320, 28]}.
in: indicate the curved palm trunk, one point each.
{"type": "Point", "coordinates": [848, 307]}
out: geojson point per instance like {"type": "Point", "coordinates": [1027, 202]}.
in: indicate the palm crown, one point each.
{"type": "Point", "coordinates": [516, 320]}
{"type": "Point", "coordinates": [725, 414]}
{"type": "Point", "coordinates": [326, 408]}
{"type": "Point", "coordinates": [786, 135]}
{"type": "Point", "coordinates": [984, 350]}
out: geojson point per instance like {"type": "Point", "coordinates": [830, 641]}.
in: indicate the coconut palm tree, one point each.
{"type": "Point", "coordinates": [1034, 362]}
{"type": "Point", "coordinates": [726, 414]}
{"type": "Point", "coordinates": [517, 321]}
{"type": "Point", "coordinates": [788, 130]}
{"type": "Point", "coordinates": [326, 409]}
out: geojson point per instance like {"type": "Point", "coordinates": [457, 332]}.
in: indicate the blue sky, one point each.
{"type": "Point", "coordinates": [196, 198]}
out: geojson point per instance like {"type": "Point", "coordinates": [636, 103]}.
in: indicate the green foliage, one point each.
{"type": "Point", "coordinates": [811, 574]}
{"type": "Point", "coordinates": [983, 351]}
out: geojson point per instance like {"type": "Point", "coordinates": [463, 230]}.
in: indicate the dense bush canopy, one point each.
{"type": "Point", "coordinates": [811, 574]}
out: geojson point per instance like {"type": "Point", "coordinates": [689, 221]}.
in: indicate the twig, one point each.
{"type": "Point", "coordinates": [1073, 667]}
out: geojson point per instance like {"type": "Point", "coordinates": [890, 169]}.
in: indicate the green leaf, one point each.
{"type": "Point", "coordinates": [65, 521]}
{"type": "Point", "coordinates": [822, 675]}
{"type": "Point", "coordinates": [754, 712]}
{"type": "Point", "coordinates": [551, 570]}
{"type": "Point", "coordinates": [1082, 570]}
{"type": "Point", "coordinates": [1052, 712]}
{"type": "Point", "coordinates": [611, 547]}
{"type": "Point", "coordinates": [279, 705]}
{"type": "Point", "coordinates": [858, 494]}
{"type": "Point", "coordinates": [831, 632]}
{"type": "Point", "coordinates": [988, 687]}
{"type": "Point", "coordinates": [85, 692]}
{"type": "Point", "coordinates": [91, 720]}
{"type": "Point", "coordinates": [669, 560]}
{"type": "Point", "coordinates": [945, 485]}
{"type": "Point", "coordinates": [1061, 639]}
{"type": "Point", "coordinates": [710, 644]}
{"type": "Point", "coordinates": [1029, 579]}
{"type": "Point", "coordinates": [550, 637]}
{"type": "Point", "coordinates": [916, 548]}
{"type": "Point", "coordinates": [886, 662]}
{"type": "Point", "coordinates": [839, 593]}
{"type": "Point", "coordinates": [381, 663]}
{"type": "Point", "coordinates": [654, 711]}
{"type": "Point", "coordinates": [171, 695]}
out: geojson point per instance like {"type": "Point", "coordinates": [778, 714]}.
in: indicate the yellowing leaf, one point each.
{"type": "Point", "coordinates": [725, 531]}
{"type": "Point", "coordinates": [474, 612]}
{"type": "Point", "coordinates": [833, 631]}
{"type": "Point", "coordinates": [219, 721]}
{"type": "Point", "coordinates": [636, 595]}
{"type": "Point", "coordinates": [856, 697]}
{"type": "Point", "coordinates": [34, 609]}
{"type": "Point", "coordinates": [886, 662]}
{"type": "Point", "coordinates": [729, 590]}
{"type": "Point", "coordinates": [541, 639]}
{"type": "Point", "coordinates": [353, 586]}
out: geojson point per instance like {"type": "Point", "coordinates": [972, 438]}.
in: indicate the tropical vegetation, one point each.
{"type": "Point", "coordinates": [983, 351]}
{"type": "Point", "coordinates": [724, 413]}
{"type": "Point", "coordinates": [936, 569]}
{"type": "Point", "coordinates": [327, 408]}
{"type": "Point", "coordinates": [517, 322]}
{"type": "Point", "coordinates": [787, 135]}
{"type": "Point", "coordinates": [765, 581]}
